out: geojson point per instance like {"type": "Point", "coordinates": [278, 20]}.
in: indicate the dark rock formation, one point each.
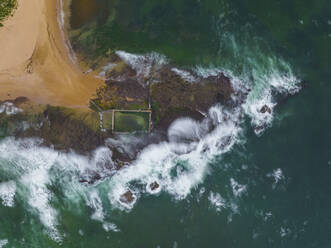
{"type": "Point", "coordinates": [173, 97]}
{"type": "Point", "coordinates": [60, 128]}
{"type": "Point", "coordinates": [128, 94]}
{"type": "Point", "coordinates": [265, 109]}
{"type": "Point", "coordinates": [127, 197]}
{"type": "Point", "coordinates": [168, 94]}
{"type": "Point", "coordinates": [154, 186]}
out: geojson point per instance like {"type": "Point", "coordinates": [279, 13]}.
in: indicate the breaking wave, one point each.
{"type": "Point", "coordinates": [3, 242]}
{"type": "Point", "coordinates": [175, 166]}
{"type": "Point", "coordinates": [33, 168]}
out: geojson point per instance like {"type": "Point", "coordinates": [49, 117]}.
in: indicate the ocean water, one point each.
{"type": "Point", "coordinates": [228, 186]}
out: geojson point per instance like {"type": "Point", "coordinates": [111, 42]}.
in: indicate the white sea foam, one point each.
{"type": "Point", "coordinates": [3, 242]}
{"type": "Point", "coordinates": [39, 199]}
{"type": "Point", "coordinates": [107, 226]}
{"type": "Point", "coordinates": [35, 168]}
{"type": "Point", "coordinates": [177, 165]}
{"type": "Point", "coordinates": [276, 77]}
{"type": "Point", "coordinates": [95, 203]}
{"type": "Point", "coordinates": [284, 231]}
{"type": "Point", "coordinates": [7, 193]}
{"type": "Point", "coordinates": [184, 75]}
{"type": "Point", "coordinates": [201, 193]}
{"type": "Point", "coordinates": [277, 175]}
{"type": "Point", "coordinates": [267, 216]}
{"type": "Point", "coordinates": [262, 81]}
{"type": "Point", "coordinates": [217, 201]}
{"type": "Point", "coordinates": [106, 68]}
{"type": "Point", "coordinates": [61, 22]}
{"type": "Point", "coordinates": [9, 108]}
{"type": "Point", "coordinates": [182, 163]}
{"type": "Point", "coordinates": [237, 189]}
{"type": "Point", "coordinates": [208, 71]}
{"type": "Point", "coordinates": [260, 120]}
{"type": "Point", "coordinates": [143, 64]}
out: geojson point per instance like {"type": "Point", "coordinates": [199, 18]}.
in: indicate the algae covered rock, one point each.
{"type": "Point", "coordinates": [172, 96]}
{"type": "Point", "coordinates": [169, 92]}
{"type": "Point", "coordinates": [60, 127]}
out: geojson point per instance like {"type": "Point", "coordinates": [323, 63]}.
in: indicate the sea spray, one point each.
{"type": "Point", "coordinates": [94, 201]}
{"type": "Point", "coordinates": [39, 198]}
{"type": "Point", "coordinates": [34, 168]}
{"type": "Point", "coordinates": [3, 243]}
{"type": "Point", "coordinates": [187, 153]}
{"type": "Point", "coordinates": [191, 144]}
{"type": "Point", "coordinates": [217, 201]}
{"type": "Point", "coordinates": [176, 165]}
{"type": "Point", "coordinates": [9, 108]}
{"type": "Point", "coordinates": [61, 20]}
{"type": "Point", "coordinates": [143, 64]}
{"type": "Point", "coordinates": [7, 193]}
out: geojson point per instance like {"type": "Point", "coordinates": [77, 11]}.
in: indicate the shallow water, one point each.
{"type": "Point", "coordinates": [85, 11]}
{"type": "Point", "coordinates": [228, 187]}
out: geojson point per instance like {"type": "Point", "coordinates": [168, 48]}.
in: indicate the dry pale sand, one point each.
{"type": "Point", "coordinates": [35, 61]}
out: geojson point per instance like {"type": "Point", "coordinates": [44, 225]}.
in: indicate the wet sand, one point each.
{"type": "Point", "coordinates": [35, 60]}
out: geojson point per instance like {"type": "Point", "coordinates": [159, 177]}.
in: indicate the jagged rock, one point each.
{"type": "Point", "coordinates": [59, 127]}
{"type": "Point", "coordinates": [265, 109]}
{"type": "Point", "coordinates": [127, 197]}
{"type": "Point", "coordinates": [154, 186]}
{"type": "Point", "coordinates": [126, 94]}
{"type": "Point", "coordinates": [91, 179]}
{"type": "Point", "coordinates": [172, 96]}
{"type": "Point", "coordinates": [170, 92]}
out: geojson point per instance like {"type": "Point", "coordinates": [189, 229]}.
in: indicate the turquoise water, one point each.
{"type": "Point", "coordinates": [269, 189]}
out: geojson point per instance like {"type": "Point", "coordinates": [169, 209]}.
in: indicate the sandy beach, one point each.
{"type": "Point", "coordinates": [35, 61]}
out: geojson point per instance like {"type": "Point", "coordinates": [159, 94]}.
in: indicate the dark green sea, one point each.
{"type": "Point", "coordinates": [230, 187]}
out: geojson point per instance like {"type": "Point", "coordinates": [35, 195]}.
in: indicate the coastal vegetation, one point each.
{"type": "Point", "coordinates": [6, 9]}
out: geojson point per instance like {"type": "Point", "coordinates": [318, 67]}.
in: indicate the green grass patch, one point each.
{"type": "Point", "coordinates": [131, 121]}
{"type": "Point", "coordinates": [6, 9]}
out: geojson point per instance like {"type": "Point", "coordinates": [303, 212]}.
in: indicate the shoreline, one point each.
{"type": "Point", "coordinates": [37, 61]}
{"type": "Point", "coordinates": [64, 27]}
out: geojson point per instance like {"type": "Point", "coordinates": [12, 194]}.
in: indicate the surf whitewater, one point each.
{"type": "Point", "coordinates": [30, 172]}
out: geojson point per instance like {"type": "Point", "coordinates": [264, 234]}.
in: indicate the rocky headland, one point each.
{"type": "Point", "coordinates": [45, 94]}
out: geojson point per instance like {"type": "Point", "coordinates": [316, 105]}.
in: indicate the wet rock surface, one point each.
{"type": "Point", "coordinates": [61, 128]}
{"type": "Point", "coordinates": [154, 186]}
{"type": "Point", "coordinates": [174, 97]}
{"type": "Point", "coordinates": [127, 198]}
{"type": "Point", "coordinates": [170, 93]}
{"type": "Point", "coordinates": [265, 109]}
{"type": "Point", "coordinates": [128, 94]}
